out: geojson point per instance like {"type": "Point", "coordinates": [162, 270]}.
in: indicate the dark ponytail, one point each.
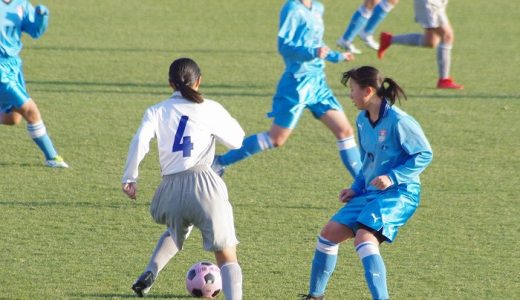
{"type": "Point", "coordinates": [369, 76]}
{"type": "Point", "coordinates": [183, 74]}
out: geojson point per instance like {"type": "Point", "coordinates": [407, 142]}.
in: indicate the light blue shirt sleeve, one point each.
{"type": "Point", "coordinates": [414, 142]}
{"type": "Point", "coordinates": [289, 44]}
{"type": "Point", "coordinates": [335, 57]}
{"type": "Point", "coordinates": [35, 20]}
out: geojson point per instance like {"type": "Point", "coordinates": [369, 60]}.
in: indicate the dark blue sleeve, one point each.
{"type": "Point", "coordinates": [35, 20]}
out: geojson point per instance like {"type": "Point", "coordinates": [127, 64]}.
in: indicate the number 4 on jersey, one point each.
{"type": "Point", "coordinates": [186, 146]}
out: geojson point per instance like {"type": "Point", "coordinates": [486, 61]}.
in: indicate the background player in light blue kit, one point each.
{"type": "Point", "coordinates": [303, 85]}
{"type": "Point", "coordinates": [386, 192]}
{"type": "Point", "coordinates": [364, 22]}
{"type": "Point", "coordinates": [19, 16]}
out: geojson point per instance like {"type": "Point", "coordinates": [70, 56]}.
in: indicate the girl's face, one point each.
{"type": "Point", "coordinates": [360, 96]}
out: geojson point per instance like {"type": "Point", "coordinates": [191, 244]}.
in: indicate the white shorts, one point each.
{"type": "Point", "coordinates": [431, 13]}
{"type": "Point", "coordinates": [196, 197]}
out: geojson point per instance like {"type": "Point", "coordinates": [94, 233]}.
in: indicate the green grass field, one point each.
{"type": "Point", "coordinates": [71, 234]}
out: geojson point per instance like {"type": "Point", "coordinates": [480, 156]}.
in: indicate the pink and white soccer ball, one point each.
{"type": "Point", "coordinates": [203, 280]}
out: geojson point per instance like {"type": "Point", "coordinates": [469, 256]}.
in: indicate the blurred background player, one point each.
{"type": "Point", "coordinates": [303, 85]}
{"type": "Point", "coordinates": [364, 23]}
{"type": "Point", "coordinates": [190, 194]}
{"type": "Point", "coordinates": [438, 33]}
{"type": "Point", "coordinates": [386, 192]}
{"type": "Point", "coordinates": [19, 16]}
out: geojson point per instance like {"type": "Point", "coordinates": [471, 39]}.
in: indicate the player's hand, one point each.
{"type": "Point", "coordinates": [348, 56]}
{"type": "Point", "coordinates": [345, 195]}
{"type": "Point", "coordinates": [130, 189]}
{"type": "Point", "coordinates": [323, 52]}
{"type": "Point", "coordinates": [381, 182]}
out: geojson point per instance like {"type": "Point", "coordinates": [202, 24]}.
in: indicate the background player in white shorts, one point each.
{"type": "Point", "coordinates": [191, 194]}
{"type": "Point", "coordinates": [438, 33]}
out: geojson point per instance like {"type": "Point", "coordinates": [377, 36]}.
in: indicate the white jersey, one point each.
{"type": "Point", "coordinates": [186, 132]}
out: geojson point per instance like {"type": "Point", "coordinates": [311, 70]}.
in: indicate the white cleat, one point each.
{"type": "Point", "coordinates": [349, 47]}
{"type": "Point", "coordinates": [56, 162]}
{"type": "Point", "coordinates": [369, 40]}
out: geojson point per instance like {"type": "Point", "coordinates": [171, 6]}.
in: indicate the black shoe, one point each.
{"type": "Point", "coordinates": [143, 284]}
{"type": "Point", "coordinates": [309, 297]}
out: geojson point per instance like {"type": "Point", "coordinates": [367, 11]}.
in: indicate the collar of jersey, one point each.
{"type": "Point", "coordinates": [383, 111]}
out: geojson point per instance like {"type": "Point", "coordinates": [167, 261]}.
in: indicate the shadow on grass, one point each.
{"type": "Point", "coordinates": [43, 203]}
{"type": "Point", "coordinates": [23, 164]}
{"type": "Point", "coordinates": [144, 88]}
{"type": "Point", "coordinates": [148, 50]}
{"type": "Point", "coordinates": [451, 95]}
{"type": "Point", "coordinates": [127, 295]}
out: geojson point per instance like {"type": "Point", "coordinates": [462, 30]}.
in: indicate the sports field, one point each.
{"type": "Point", "coordinates": [71, 234]}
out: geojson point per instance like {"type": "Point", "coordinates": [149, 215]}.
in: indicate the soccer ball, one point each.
{"type": "Point", "coordinates": [203, 280]}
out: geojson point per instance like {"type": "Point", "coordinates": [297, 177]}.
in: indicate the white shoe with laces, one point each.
{"type": "Point", "coordinates": [56, 162]}
{"type": "Point", "coordinates": [349, 47]}
{"type": "Point", "coordinates": [369, 40]}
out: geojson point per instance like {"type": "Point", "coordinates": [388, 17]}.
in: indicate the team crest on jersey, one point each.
{"type": "Point", "coordinates": [382, 135]}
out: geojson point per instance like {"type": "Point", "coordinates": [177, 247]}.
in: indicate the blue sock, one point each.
{"type": "Point", "coordinates": [252, 144]}
{"type": "Point", "coordinates": [349, 153]}
{"type": "Point", "coordinates": [358, 22]}
{"type": "Point", "coordinates": [378, 15]}
{"type": "Point", "coordinates": [375, 271]}
{"type": "Point", "coordinates": [323, 265]}
{"type": "Point", "coordinates": [38, 133]}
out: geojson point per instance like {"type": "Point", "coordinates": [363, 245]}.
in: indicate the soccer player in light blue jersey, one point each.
{"type": "Point", "coordinates": [303, 85]}
{"type": "Point", "coordinates": [385, 193]}
{"type": "Point", "coordinates": [17, 16]}
{"type": "Point", "coordinates": [364, 22]}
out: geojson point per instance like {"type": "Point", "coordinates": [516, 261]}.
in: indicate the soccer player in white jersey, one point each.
{"type": "Point", "coordinates": [191, 194]}
{"type": "Point", "coordinates": [17, 16]}
{"type": "Point", "coordinates": [386, 192]}
{"type": "Point", "coordinates": [438, 33]}
{"type": "Point", "coordinates": [364, 22]}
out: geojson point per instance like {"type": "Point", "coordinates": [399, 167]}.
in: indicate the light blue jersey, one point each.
{"type": "Point", "coordinates": [395, 146]}
{"type": "Point", "coordinates": [300, 35]}
{"type": "Point", "coordinates": [17, 16]}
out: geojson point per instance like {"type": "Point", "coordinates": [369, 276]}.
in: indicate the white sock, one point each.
{"type": "Point", "coordinates": [164, 251]}
{"type": "Point", "coordinates": [231, 281]}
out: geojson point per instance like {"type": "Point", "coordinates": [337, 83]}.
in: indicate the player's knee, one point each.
{"type": "Point", "coordinates": [10, 119]}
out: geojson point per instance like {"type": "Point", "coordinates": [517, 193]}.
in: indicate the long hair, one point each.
{"type": "Point", "coordinates": [183, 74]}
{"type": "Point", "coordinates": [369, 76]}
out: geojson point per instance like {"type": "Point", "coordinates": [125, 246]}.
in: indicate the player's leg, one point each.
{"type": "Point", "coordinates": [378, 15]}
{"type": "Point", "coordinates": [167, 247]}
{"type": "Point", "coordinates": [12, 118]}
{"type": "Point", "coordinates": [446, 36]}
{"type": "Point", "coordinates": [367, 248]}
{"type": "Point", "coordinates": [38, 132]}
{"type": "Point", "coordinates": [256, 143]}
{"type": "Point", "coordinates": [231, 273]}
{"type": "Point", "coordinates": [287, 108]}
{"type": "Point", "coordinates": [357, 22]}
{"type": "Point", "coordinates": [325, 257]}
{"type": "Point", "coordinates": [338, 229]}
{"type": "Point", "coordinates": [338, 123]}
